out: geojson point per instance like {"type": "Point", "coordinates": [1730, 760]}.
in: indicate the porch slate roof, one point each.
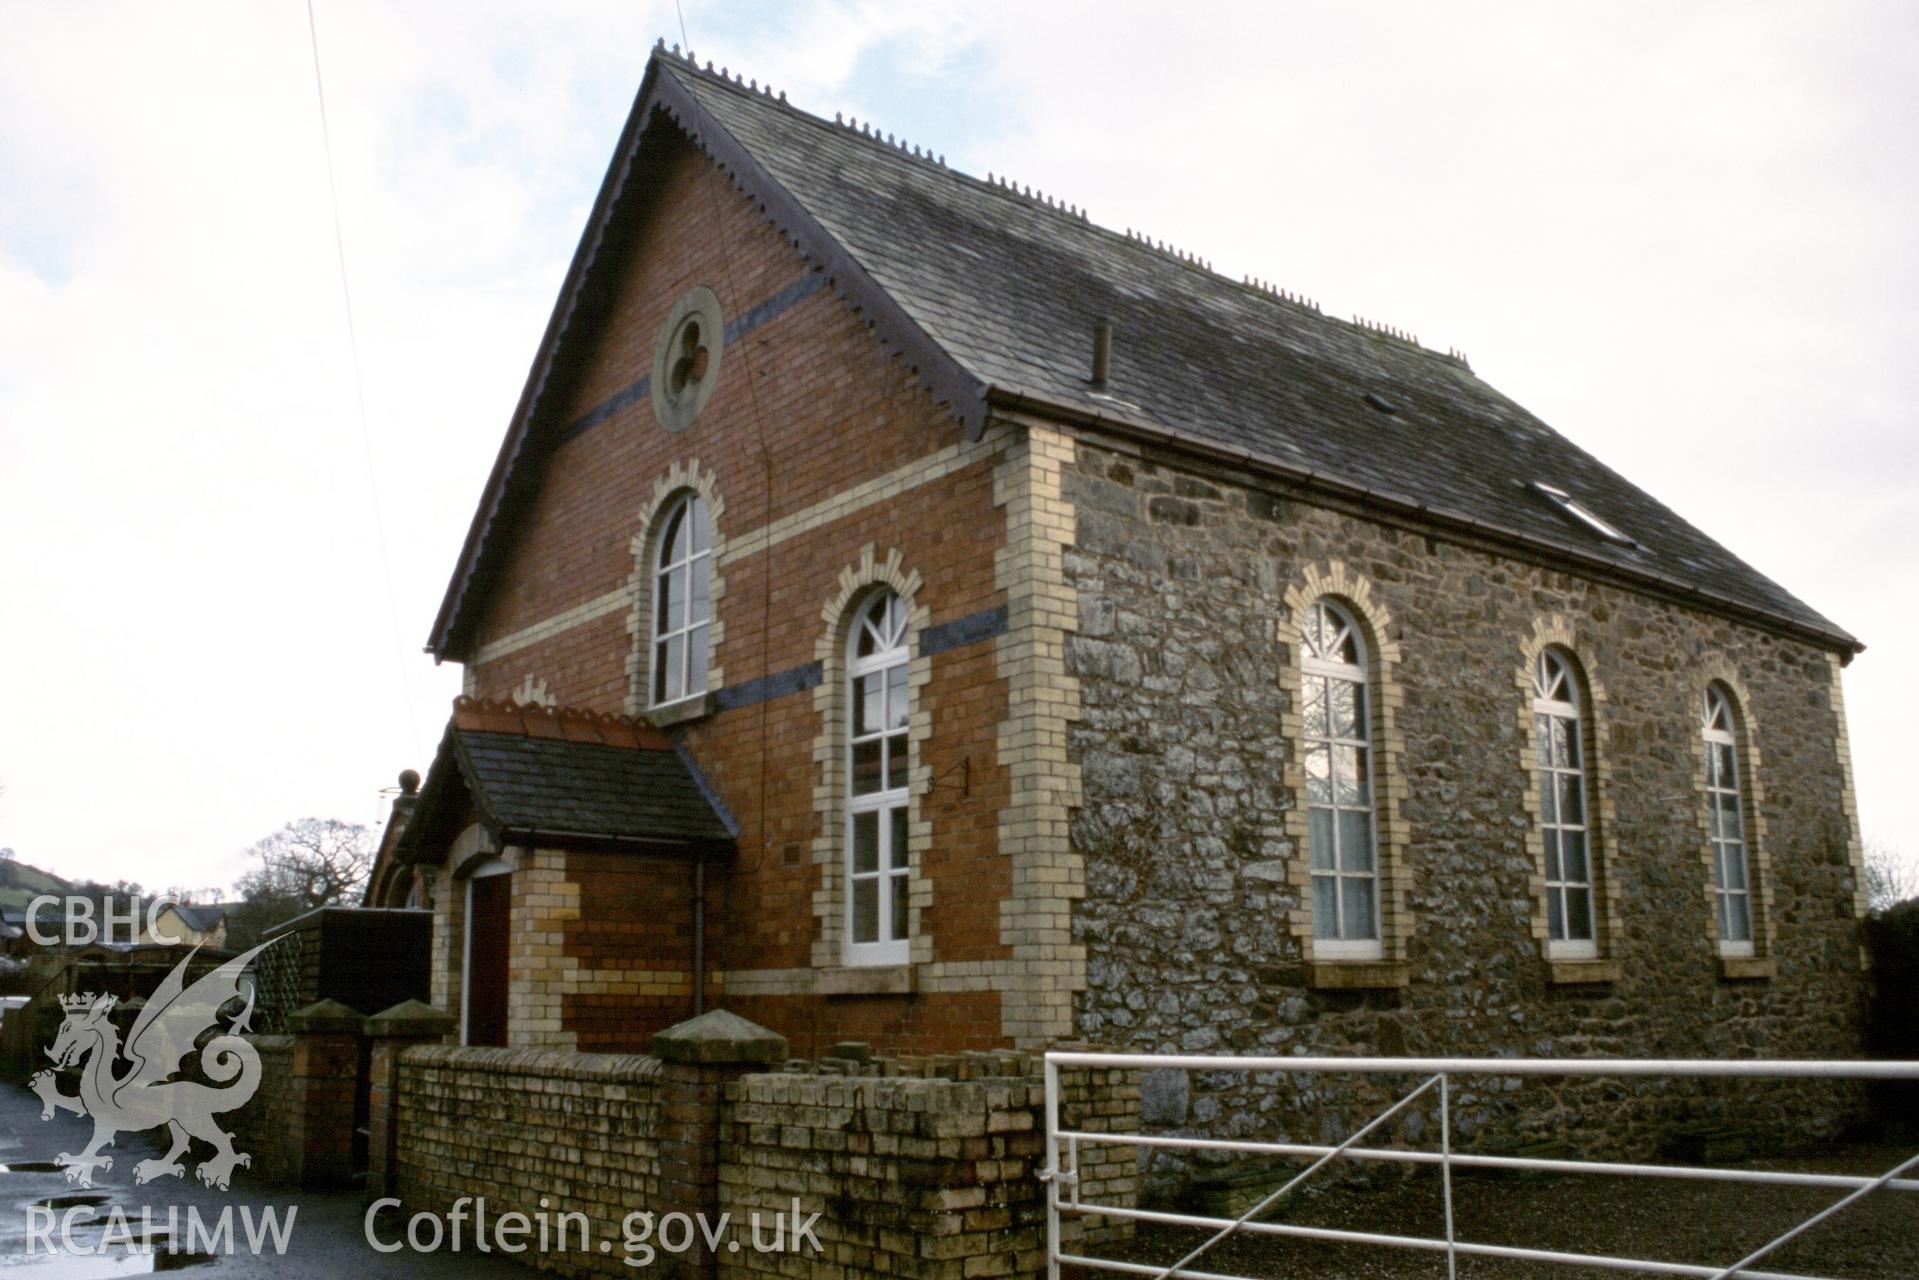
{"type": "Point", "coordinates": [533, 785]}
{"type": "Point", "coordinates": [563, 779]}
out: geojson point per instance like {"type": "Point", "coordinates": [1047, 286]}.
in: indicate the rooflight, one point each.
{"type": "Point", "coordinates": [1580, 512]}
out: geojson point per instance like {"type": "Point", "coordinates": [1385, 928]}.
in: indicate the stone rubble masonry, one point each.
{"type": "Point", "coordinates": [1188, 582]}
{"type": "Point", "coordinates": [1348, 587]}
{"type": "Point", "coordinates": [1562, 633]}
{"type": "Point", "coordinates": [1747, 736]}
{"type": "Point", "coordinates": [1106, 811]}
{"type": "Point", "coordinates": [1849, 799]}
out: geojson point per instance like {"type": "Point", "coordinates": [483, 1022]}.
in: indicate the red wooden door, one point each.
{"type": "Point", "coordinates": [486, 922]}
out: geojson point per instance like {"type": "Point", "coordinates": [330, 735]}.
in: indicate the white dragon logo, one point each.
{"type": "Point", "coordinates": [144, 1097]}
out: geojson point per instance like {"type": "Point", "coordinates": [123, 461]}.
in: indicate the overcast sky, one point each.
{"type": "Point", "coordinates": [1687, 236]}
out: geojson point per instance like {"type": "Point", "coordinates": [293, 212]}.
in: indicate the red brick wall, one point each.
{"type": "Point", "coordinates": [933, 1023]}
{"type": "Point", "coordinates": [636, 918]}
{"type": "Point", "coordinates": [807, 406]}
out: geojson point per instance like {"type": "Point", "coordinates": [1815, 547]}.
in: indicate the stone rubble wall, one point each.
{"type": "Point", "coordinates": [1191, 919]}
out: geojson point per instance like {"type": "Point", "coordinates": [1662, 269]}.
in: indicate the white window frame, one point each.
{"type": "Point", "coordinates": [886, 807]}
{"type": "Point", "coordinates": [491, 867]}
{"type": "Point", "coordinates": [1718, 730]}
{"type": "Point", "coordinates": [1547, 773]}
{"type": "Point", "coordinates": [1315, 666]}
{"type": "Point", "coordinates": [692, 632]}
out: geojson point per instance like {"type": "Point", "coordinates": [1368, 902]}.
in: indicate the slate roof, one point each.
{"type": "Point", "coordinates": [563, 779]}
{"type": "Point", "coordinates": [536, 785]}
{"type": "Point", "coordinates": [991, 295]}
{"type": "Point", "coordinates": [204, 918]}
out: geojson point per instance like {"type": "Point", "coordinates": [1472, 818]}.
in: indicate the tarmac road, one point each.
{"type": "Point", "coordinates": [326, 1238]}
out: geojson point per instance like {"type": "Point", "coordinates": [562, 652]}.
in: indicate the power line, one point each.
{"type": "Point", "coordinates": [359, 390]}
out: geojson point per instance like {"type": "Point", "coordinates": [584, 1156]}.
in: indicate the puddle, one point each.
{"type": "Point", "coordinates": [30, 1166]}
{"type": "Point", "coordinates": [68, 1266]}
{"type": "Point", "coordinates": [78, 1200]}
{"type": "Point", "coordinates": [168, 1260]}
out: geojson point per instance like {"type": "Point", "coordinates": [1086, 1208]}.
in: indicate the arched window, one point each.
{"type": "Point", "coordinates": [1732, 892]}
{"type": "Point", "coordinates": [682, 601]}
{"type": "Point", "coordinates": [1563, 808]}
{"type": "Point", "coordinates": [877, 854]}
{"type": "Point", "coordinates": [1337, 749]}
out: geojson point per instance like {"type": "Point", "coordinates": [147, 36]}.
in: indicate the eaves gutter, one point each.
{"type": "Point", "coordinates": [537, 837]}
{"type": "Point", "coordinates": [1665, 585]}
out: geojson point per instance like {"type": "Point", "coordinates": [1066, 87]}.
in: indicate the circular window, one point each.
{"type": "Point", "coordinates": [686, 363]}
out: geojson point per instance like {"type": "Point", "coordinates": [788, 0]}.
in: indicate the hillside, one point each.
{"type": "Point", "coordinates": [21, 884]}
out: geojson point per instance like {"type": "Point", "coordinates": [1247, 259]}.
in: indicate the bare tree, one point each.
{"type": "Point", "coordinates": [307, 864]}
{"type": "Point", "coordinates": [1891, 877]}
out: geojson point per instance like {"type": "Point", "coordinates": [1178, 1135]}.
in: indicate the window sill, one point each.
{"type": "Point", "coordinates": [1358, 975]}
{"type": "Point", "coordinates": [865, 980]}
{"type": "Point", "coordinates": [697, 707]}
{"type": "Point", "coordinates": [1747, 968]}
{"type": "Point", "coordinates": [1576, 973]}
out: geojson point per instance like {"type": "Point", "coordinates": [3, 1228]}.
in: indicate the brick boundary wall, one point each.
{"type": "Point", "coordinates": [917, 1166]}
{"type": "Point", "coordinates": [260, 1127]}
{"type": "Point", "coordinates": [924, 1167]}
{"type": "Point", "coordinates": [522, 1126]}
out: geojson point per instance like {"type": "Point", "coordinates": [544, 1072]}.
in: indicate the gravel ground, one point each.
{"type": "Point", "coordinates": [1692, 1222]}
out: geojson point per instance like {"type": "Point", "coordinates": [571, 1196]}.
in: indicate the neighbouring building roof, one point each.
{"type": "Point", "coordinates": [562, 779]}
{"type": "Point", "coordinates": [991, 294]}
{"type": "Point", "coordinates": [204, 917]}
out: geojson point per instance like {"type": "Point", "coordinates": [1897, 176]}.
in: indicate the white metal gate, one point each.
{"type": "Point", "coordinates": [1437, 1076]}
